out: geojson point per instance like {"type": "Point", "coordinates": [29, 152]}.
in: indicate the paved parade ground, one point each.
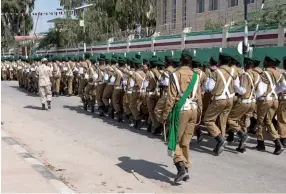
{"type": "Point", "coordinates": [93, 154]}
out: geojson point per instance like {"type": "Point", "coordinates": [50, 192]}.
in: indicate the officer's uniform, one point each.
{"type": "Point", "coordinates": [44, 73]}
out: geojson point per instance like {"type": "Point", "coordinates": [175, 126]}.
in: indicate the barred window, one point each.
{"type": "Point", "coordinates": [184, 13]}
{"type": "Point", "coordinates": [232, 3]}
{"type": "Point", "coordinates": [213, 5]}
{"type": "Point", "coordinates": [200, 6]}
{"type": "Point", "coordinates": [164, 20]}
{"type": "Point", "coordinates": [174, 13]}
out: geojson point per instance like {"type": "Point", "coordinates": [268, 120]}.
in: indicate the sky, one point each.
{"type": "Point", "coordinates": [45, 6]}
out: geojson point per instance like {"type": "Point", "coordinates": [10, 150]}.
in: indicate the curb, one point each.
{"type": "Point", "coordinates": [36, 164]}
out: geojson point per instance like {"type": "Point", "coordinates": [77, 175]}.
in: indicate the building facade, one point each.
{"type": "Point", "coordinates": [175, 15]}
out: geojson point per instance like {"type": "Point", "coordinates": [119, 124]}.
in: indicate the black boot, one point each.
{"type": "Point", "coordinates": [119, 116]}
{"type": "Point", "coordinates": [220, 145]}
{"type": "Point", "coordinates": [283, 142]}
{"type": "Point", "coordinates": [92, 109]}
{"type": "Point", "coordinates": [157, 130]}
{"type": "Point", "coordinates": [136, 123]}
{"type": "Point", "coordinates": [243, 139]}
{"type": "Point", "coordinates": [43, 107]}
{"type": "Point", "coordinates": [101, 111]}
{"type": "Point", "coordinates": [49, 104]}
{"type": "Point", "coordinates": [260, 146]}
{"type": "Point", "coordinates": [149, 128]}
{"type": "Point", "coordinates": [251, 128]}
{"type": "Point", "coordinates": [188, 176]}
{"type": "Point", "coordinates": [278, 147]}
{"type": "Point", "coordinates": [85, 105]}
{"type": "Point", "coordinates": [230, 137]}
{"type": "Point", "coordinates": [181, 172]}
{"type": "Point", "coordinates": [199, 135]}
{"type": "Point", "coordinates": [111, 113]}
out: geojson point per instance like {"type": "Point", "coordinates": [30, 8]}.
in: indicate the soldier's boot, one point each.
{"type": "Point", "coordinates": [278, 147]}
{"type": "Point", "coordinates": [158, 130]}
{"type": "Point", "coordinates": [251, 128]}
{"type": "Point", "coordinates": [92, 108]}
{"type": "Point", "coordinates": [101, 111]}
{"type": "Point", "coordinates": [243, 139]}
{"type": "Point", "coordinates": [181, 172]}
{"type": "Point", "coordinates": [199, 135]}
{"type": "Point", "coordinates": [137, 123]}
{"type": "Point", "coordinates": [188, 176]}
{"type": "Point", "coordinates": [283, 142]}
{"type": "Point", "coordinates": [220, 145]}
{"type": "Point", "coordinates": [106, 110]}
{"type": "Point", "coordinates": [43, 107]}
{"type": "Point", "coordinates": [230, 137]}
{"type": "Point", "coordinates": [111, 112]}
{"type": "Point", "coordinates": [260, 146]}
{"type": "Point", "coordinates": [85, 105]}
{"type": "Point", "coordinates": [149, 127]}
{"type": "Point", "coordinates": [49, 104]}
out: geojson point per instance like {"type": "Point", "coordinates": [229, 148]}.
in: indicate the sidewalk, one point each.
{"type": "Point", "coordinates": [18, 176]}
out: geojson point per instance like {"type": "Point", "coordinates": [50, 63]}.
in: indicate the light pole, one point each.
{"type": "Point", "coordinates": [245, 42]}
{"type": "Point", "coordinates": [78, 8]}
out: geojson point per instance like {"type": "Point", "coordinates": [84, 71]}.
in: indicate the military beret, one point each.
{"type": "Point", "coordinates": [108, 58]}
{"type": "Point", "coordinates": [284, 58]}
{"type": "Point", "coordinates": [122, 60]}
{"type": "Point", "coordinates": [187, 53]}
{"type": "Point", "coordinates": [138, 56]}
{"type": "Point", "coordinates": [277, 61]}
{"type": "Point", "coordinates": [168, 57]}
{"type": "Point", "coordinates": [213, 61]}
{"type": "Point", "coordinates": [94, 59]}
{"type": "Point", "coordinates": [225, 58]}
{"type": "Point", "coordinates": [237, 59]}
{"type": "Point", "coordinates": [270, 59]}
{"type": "Point", "coordinates": [137, 61]}
{"type": "Point", "coordinates": [114, 59]}
{"type": "Point", "coordinates": [196, 62]}
{"type": "Point", "coordinates": [248, 60]}
{"type": "Point", "coordinates": [177, 61]}
{"type": "Point", "coordinates": [146, 61]}
{"type": "Point", "coordinates": [87, 55]}
{"type": "Point", "coordinates": [101, 57]}
{"type": "Point", "coordinates": [80, 58]}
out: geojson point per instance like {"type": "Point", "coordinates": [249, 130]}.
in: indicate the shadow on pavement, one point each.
{"type": "Point", "coordinates": [33, 107]}
{"type": "Point", "coordinates": [146, 169]}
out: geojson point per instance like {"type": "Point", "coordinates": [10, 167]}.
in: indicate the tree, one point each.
{"type": "Point", "coordinates": [16, 24]}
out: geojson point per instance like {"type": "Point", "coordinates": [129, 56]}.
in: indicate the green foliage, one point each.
{"type": "Point", "coordinates": [15, 24]}
{"type": "Point", "coordinates": [104, 20]}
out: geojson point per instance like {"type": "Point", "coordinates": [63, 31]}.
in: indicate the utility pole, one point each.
{"type": "Point", "coordinates": [245, 42]}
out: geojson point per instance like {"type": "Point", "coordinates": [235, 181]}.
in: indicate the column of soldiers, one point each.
{"type": "Point", "coordinates": [225, 95]}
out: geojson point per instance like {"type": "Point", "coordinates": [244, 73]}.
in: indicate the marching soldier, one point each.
{"type": "Point", "coordinates": [100, 84]}
{"type": "Point", "coordinates": [221, 86]}
{"type": "Point", "coordinates": [118, 92]}
{"type": "Point", "coordinates": [56, 78]}
{"type": "Point", "coordinates": [281, 112]}
{"type": "Point", "coordinates": [183, 100]}
{"type": "Point", "coordinates": [82, 78]}
{"type": "Point", "coordinates": [267, 104]}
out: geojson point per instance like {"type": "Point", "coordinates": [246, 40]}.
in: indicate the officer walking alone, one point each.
{"type": "Point", "coordinates": [44, 72]}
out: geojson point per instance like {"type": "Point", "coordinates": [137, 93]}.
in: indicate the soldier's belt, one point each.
{"type": "Point", "coordinates": [247, 101]}
{"type": "Point", "coordinates": [152, 93]}
{"type": "Point", "coordinates": [282, 97]}
{"type": "Point", "coordinates": [267, 98]}
{"type": "Point", "coordinates": [111, 84]}
{"type": "Point", "coordinates": [118, 87]}
{"type": "Point", "coordinates": [129, 92]}
{"type": "Point", "coordinates": [140, 91]}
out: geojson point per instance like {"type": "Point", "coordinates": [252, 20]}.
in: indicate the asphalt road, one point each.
{"type": "Point", "coordinates": [93, 154]}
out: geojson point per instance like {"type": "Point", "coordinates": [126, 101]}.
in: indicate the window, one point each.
{"type": "Point", "coordinates": [200, 6]}
{"type": "Point", "coordinates": [174, 10]}
{"type": "Point", "coordinates": [164, 20]}
{"type": "Point", "coordinates": [232, 3]}
{"type": "Point", "coordinates": [213, 5]}
{"type": "Point", "coordinates": [249, 1]}
{"type": "Point", "coordinates": [184, 13]}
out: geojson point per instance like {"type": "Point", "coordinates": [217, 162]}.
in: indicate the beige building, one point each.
{"type": "Point", "coordinates": [175, 15]}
